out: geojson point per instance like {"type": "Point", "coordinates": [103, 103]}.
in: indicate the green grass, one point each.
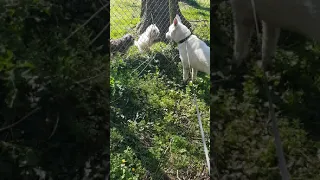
{"type": "Point", "coordinates": [243, 140]}
{"type": "Point", "coordinates": [200, 18]}
{"type": "Point", "coordinates": [154, 126]}
{"type": "Point", "coordinates": [125, 15]}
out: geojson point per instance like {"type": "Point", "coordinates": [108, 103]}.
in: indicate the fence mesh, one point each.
{"type": "Point", "coordinates": [129, 19]}
{"type": "Point", "coordinates": [147, 92]}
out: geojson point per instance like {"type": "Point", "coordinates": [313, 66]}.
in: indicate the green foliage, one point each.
{"type": "Point", "coordinates": [125, 166]}
{"type": "Point", "coordinates": [53, 92]}
{"type": "Point", "coordinates": [153, 120]}
{"type": "Point", "coordinates": [125, 15]}
{"type": "Point", "coordinates": [244, 143]}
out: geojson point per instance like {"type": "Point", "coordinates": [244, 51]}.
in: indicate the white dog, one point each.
{"type": "Point", "coordinates": [301, 16]}
{"type": "Point", "coordinates": [194, 53]}
{"type": "Point", "coordinates": [147, 38]}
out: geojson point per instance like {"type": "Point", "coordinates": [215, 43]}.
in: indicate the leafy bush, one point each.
{"type": "Point", "coordinates": [243, 141]}
{"type": "Point", "coordinates": [53, 93]}
{"type": "Point", "coordinates": [154, 126]}
{"type": "Point", "coordinates": [153, 120]}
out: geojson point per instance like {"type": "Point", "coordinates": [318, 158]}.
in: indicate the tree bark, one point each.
{"type": "Point", "coordinates": [158, 12]}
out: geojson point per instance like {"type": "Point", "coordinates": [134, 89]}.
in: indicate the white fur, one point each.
{"type": "Point", "coordinates": [147, 38]}
{"type": "Point", "coordinates": [300, 16]}
{"type": "Point", "coordinates": [192, 50]}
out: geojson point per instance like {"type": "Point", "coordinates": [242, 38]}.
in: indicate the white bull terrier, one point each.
{"type": "Point", "coordinates": [194, 53]}
{"type": "Point", "coordinates": [302, 16]}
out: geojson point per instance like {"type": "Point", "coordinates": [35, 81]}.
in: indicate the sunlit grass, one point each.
{"type": "Point", "coordinates": [125, 15]}
{"type": "Point", "coordinates": [169, 140]}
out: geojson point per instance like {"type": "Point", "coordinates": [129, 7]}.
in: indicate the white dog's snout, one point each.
{"type": "Point", "coordinates": [167, 36]}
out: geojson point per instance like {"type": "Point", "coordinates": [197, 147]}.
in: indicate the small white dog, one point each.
{"type": "Point", "coordinates": [147, 38]}
{"type": "Point", "coordinates": [194, 53]}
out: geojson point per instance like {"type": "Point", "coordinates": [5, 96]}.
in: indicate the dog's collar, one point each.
{"type": "Point", "coordinates": [183, 40]}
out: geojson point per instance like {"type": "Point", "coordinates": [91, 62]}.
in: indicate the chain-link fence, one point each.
{"type": "Point", "coordinates": [130, 19]}
{"type": "Point", "coordinates": [148, 104]}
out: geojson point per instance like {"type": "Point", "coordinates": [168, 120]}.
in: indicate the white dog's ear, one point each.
{"type": "Point", "coordinates": [175, 21]}
{"type": "Point", "coordinates": [178, 18]}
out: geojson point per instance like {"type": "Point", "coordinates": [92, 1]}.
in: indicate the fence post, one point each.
{"type": "Point", "coordinates": [172, 15]}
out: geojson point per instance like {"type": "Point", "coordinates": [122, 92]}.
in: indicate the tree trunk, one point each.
{"type": "Point", "coordinates": [157, 12]}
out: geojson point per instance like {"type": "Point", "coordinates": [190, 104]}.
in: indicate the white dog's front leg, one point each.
{"type": "Point", "coordinates": [270, 38]}
{"type": "Point", "coordinates": [194, 74]}
{"type": "Point", "coordinates": [243, 26]}
{"type": "Point", "coordinates": [185, 74]}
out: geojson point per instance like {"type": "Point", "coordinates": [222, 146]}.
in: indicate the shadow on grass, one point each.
{"type": "Point", "coordinates": [133, 105]}
{"type": "Point", "coordinates": [169, 69]}
{"type": "Point", "coordinates": [195, 4]}
{"type": "Point", "coordinates": [293, 80]}
{"type": "Point", "coordinates": [167, 65]}
{"type": "Point", "coordinates": [148, 161]}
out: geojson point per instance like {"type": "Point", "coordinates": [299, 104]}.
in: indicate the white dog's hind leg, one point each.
{"type": "Point", "coordinates": [242, 41]}
{"type": "Point", "coordinates": [186, 73]}
{"type": "Point", "coordinates": [270, 38]}
{"type": "Point", "coordinates": [194, 74]}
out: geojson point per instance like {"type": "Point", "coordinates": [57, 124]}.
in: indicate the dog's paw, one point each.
{"type": "Point", "coordinates": [194, 81]}
{"type": "Point", "coordinates": [184, 84]}
{"type": "Point", "coordinates": [185, 81]}
{"type": "Point", "coordinates": [233, 64]}
{"type": "Point", "coordinates": [260, 64]}
{"type": "Point", "coordinates": [234, 67]}
{"type": "Point", "coordinates": [263, 65]}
